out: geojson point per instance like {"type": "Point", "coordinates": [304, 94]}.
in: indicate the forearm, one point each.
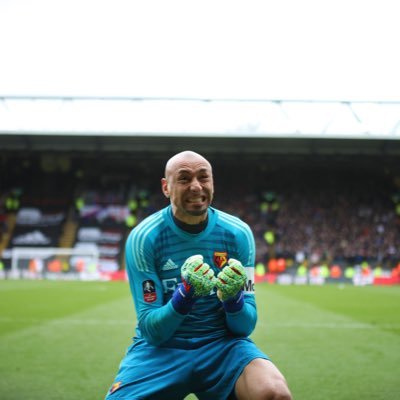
{"type": "Point", "coordinates": [159, 324]}
{"type": "Point", "coordinates": [242, 322]}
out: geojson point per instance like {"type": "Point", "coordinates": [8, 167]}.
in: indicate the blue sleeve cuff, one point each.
{"type": "Point", "coordinates": [235, 303]}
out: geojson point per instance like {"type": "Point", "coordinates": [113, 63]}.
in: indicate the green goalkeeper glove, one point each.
{"type": "Point", "coordinates": [230, 280]}
{"type": "Point", "coordinates": [197, 276]}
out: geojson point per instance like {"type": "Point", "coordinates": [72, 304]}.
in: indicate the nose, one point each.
{"type": "Point", "coordinates": [195, 185]}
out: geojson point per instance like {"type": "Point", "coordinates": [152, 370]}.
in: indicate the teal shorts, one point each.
{"type": "Point", "coordinates": [207, 368]}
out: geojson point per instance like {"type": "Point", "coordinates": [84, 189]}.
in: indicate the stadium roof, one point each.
{"type": "Point", "coordinates": [143, 124]}
{"type": "Point", "coordinates": [132, 116]}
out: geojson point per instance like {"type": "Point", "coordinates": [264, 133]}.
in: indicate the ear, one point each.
{"type": "Point", "coordinates": [164, 187]}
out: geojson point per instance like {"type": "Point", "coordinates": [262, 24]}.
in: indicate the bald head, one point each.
{"type": "Point", "coordinates": [184, 157]}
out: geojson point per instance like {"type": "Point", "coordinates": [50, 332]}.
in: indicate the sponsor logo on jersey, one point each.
{"type": "Point", "coordinates": [149, 291]}
{"type": "Point", "coordinates": [115, 386]}
{"type": "Point", "coordinates": [249, 284]}
{"type": "Point", "coordinates": [169, 265]}
{"type": "Point", "coordinates": [220, 258]}
{"type": "Point", "coordinates": [169, 285]}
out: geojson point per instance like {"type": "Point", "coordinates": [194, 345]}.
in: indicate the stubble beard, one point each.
{"type": "Point", "coordinates": [197, 213]}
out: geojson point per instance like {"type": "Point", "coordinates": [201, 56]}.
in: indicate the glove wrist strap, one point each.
{"type": "Point", "coordinates": [235, 303]}
{"type": "Point", "coordinates": [182, 300]}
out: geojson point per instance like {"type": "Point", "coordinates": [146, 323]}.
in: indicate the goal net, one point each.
{"type": "Point", "coordinates": [55, 263]}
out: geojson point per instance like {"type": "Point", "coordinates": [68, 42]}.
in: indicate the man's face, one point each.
{"type": "Point", "coordinates": [189, 185]}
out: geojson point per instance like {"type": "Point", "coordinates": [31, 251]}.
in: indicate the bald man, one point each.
{"type": "Point", "coordinates": [191, 274]}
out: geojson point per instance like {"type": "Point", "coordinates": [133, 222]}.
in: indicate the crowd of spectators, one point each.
{"type": "Point", "coordinates": [347, 222]}
{"type": "Point", "coordinates": [318, 216]}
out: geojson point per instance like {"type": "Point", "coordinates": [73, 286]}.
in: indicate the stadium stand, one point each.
{"type": "Point", "coordinates": [304, 213]}
{"type": "Point", "coordinates": [322, 219]}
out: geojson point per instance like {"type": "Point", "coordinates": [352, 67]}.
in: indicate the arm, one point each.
{"type": "Point", "coordinates": [239, 303]}
{"type": "Point", "coordinates": [160, 324]}
{"type": "Point", "coordinates": [197, 280]}
{"type": "Point", "coordinates": [241, 310]}
{"type": "Point", "coordinates": [157, 322]}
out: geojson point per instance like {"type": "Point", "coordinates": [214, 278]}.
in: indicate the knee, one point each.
{"type": "Point", "coordinates": [261, 380]}
{"type": "Point", "coordinates": [277, 390]}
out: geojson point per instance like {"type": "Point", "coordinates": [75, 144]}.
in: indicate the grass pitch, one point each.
{"type": "Point", "coordinates": [64, 340]}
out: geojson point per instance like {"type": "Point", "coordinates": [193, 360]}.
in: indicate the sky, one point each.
{"type": "Point", "coordinates": [282, 49]}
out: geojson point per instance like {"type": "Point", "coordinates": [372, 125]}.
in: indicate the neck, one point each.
{"type": "Point", "coordinates": [191, 228]}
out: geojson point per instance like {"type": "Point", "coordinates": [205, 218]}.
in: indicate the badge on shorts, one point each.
{"type": "Point", "coordinates": [115, 386]}
{"type": "Point", "coordinates": [149, 291]}
{"type": "Point", "coordinates": [220, 258]}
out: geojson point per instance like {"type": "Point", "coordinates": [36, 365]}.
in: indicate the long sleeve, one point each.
{"type": "Point", "coordinates": [157, 321]}
{"type": "Point", "coordinates": [243, 322]}
{"type": "Point", "coordinates": [158, 325]}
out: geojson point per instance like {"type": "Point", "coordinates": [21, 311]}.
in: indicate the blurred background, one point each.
{"type": "Point", "coordinates": [296, 105]}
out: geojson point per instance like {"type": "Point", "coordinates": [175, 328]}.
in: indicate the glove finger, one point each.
{"type": "Point", "coordinates": [201, 269]}
{"type": "Point", "coordinates": [203, 284]}
{"type": "Point", "coordinates": [206, 270]}
{"type": "Point", "coordinates": [198, 274]}
{"type": "Point", "coordinates": [209, 274]}
{"type": "Point", "coordinates": [194, 261]}
{"type": "Point", "coordinates": [223, 279]}
{"type": "Point", "coordinates": [233, 261]}
{"type": "Point", "coordinates": [220, 285]}
{"type": "Point", "coordinates": [191, 263]}
{"type": "Point", "coordinates": [236, 265]}
{"type": "Point", "coordinates": [233, 272]}
{"type": "Point", "coordinates": [201, 275]}
{"type": "Point", "coordinates": [205, 273]}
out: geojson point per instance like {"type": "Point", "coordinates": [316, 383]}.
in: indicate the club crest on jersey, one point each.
{"type": "Point", "coordinates": [149, 291]}
{"type": "Point", "coordinates": [220, 258]}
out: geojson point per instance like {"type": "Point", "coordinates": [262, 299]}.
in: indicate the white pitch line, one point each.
{"type": "Point", "coordinates": [304, 325]}
{"type": "Point", "coordinates": [68, 321]}
{"type": "Point", "coordinates": [329, 325]}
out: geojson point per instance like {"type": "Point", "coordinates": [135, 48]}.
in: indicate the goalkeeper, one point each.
{"type": "Point", "coordinates": [191, 274]}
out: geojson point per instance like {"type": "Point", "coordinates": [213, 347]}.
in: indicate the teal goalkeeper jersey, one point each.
{"type": "Point", "coordinates": [155, 251]}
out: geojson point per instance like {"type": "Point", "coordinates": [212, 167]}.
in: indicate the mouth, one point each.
{"type": "Point", "coordinates": [197, 200]}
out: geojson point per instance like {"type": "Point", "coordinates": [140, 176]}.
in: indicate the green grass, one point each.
{"type": "Point", "coordinates": [64, 340]}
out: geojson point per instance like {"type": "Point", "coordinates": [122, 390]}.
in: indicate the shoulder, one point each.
{"type": "Point", "coordinates": [241, 235]}
{"type": "Point", "coordinates": [232, 223]}
{"type": "Point", "coordinates": [149, 228]}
